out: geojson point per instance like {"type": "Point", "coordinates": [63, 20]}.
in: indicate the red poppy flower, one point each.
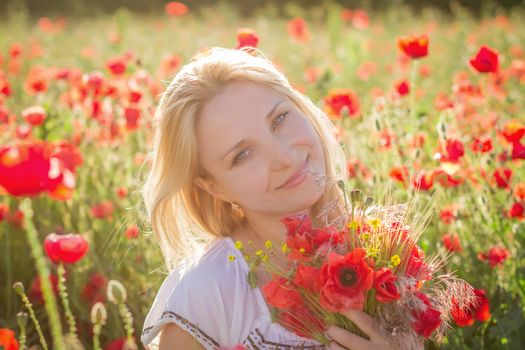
{"type": "Point", "coordinates": [495, 256]}
{"type": "Point", "coordinates": [68, 248]}
{"type": "Point", "coordinates": [502, 177]}
{"type": "Point", "coordinates": [102, 210]}
{"type": "Point", "coordinates": [486, 60]}
{"type": "Point", "coordinates": [517, 211]}
{"type": "Point", "coordinates": [360, 19]}
{"type": "Point", "coordinates": [247, 37]}
{"type": "Point", "coordinates": [384, 284]}
{"type": "Point", "coordinates": [298, 30]}
{"type": "Point", "coordinates": [519, 191]}
{"type": "Point", "coordinates": [34, 115]}
{"type": "Point", "coordinates": [8, 340]}
{"type": "Point", "coordinates": [29, 169]}
{"type": "Point", "coordinates": [400, 174]}
{"type": "Point", "coordinates": [424, 180]}
{"type": "Point", "coordinates": [482, 144]}
{"type": "Point", "coordinates": [416, 266]}
{"type": "Point", "coordinates": [479, 309]}
{"type": "Point", "coordinates": [307, 277]}
{"type": "Point", "coordinates": [280, 293]}
{"type": "Point", "coordinates": [414, 46]}
{"type": "Point", "coordinates": [402, 87]}
{"type": "Point", "coordinates": [116, 65]}
{"type": "Point", "coordinates": [427, 319]}
{"type": "Point", "coordinates": [132, 116]}
{"type": "Point", "coordinates": [345, 279]}
{"type": "Point", "coordinates": [35, 290]}
{"type": "Point", "coordinates": [175, 8]}
{"type": "Point", "coordinates": [449, 213]}
{"type": "Point", "coordinates": [451, 242]}
{"type": "Point", "coordinates": [132, 231]}
{"type": "Point", "coordinates": [518, 151]}
{"type": "Point", "coordinates": [513, 130]}
{"type": "Point", "coordinates": [95, 288]}
{"type": "Point", "coordinates": [341, 101]}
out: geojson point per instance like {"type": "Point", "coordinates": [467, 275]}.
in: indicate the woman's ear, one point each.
{"type": "Point", "coordinates": [210, 187]}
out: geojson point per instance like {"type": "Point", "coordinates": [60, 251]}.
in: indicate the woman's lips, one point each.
{"type": "Point", "coordinates": [298, 177]}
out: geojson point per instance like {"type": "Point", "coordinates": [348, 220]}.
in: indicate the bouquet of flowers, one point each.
{"type": "Point", "coordinates": [374, 264]}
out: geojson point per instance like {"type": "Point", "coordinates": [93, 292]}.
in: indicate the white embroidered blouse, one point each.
{"type": "Point", "coordinates": [211, 299]}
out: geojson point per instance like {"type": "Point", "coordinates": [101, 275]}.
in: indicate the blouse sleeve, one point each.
{"type": "Point", "coordinates": [207, 298]}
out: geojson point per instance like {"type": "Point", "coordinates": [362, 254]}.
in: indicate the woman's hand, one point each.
{"type": "Point", "coordinates": [346, 340]}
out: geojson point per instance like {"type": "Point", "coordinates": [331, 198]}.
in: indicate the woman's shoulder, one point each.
{"type": "Point", "coordinates": [202, 296]}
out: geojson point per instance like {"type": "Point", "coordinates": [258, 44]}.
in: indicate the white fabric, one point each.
{"type": "Point", "coordinates": [212, 300]}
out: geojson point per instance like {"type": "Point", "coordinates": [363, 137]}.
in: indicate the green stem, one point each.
{"type": "Point", "coordinates": [29, 307]}
{"type": "Point", "coordinates": [128, 322]}
{"type": "Point", "coordinates": [43, 272]}
{"type": "Point", "coordinates": [96, 333]}
{"type": "Point", "coordinates": [65, 301]}
{"type": "Point", "coordinates": [413, 95]}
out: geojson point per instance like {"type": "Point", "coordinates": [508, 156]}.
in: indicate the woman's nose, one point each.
{"type": "Point", "coordinates": [282, 157]}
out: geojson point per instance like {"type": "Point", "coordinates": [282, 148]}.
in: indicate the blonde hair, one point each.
{"type": "Point", "coordinates": [182, 215]}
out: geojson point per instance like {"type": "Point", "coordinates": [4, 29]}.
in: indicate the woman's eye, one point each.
{"type": "Point", "coordinates": [238, 157]}
{"type": "Point", "coordinates": [279, 118]}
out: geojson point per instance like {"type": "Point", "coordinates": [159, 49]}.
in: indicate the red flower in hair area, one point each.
{"type": "Point", "coordinates": [281, 293]}
{"type": "Point", "coordinates": [8, 340]}
{"type": "Point", "coordinates": [384, 284]}
{"type": "Point", "coordinates": [298, 30]}
{"type": "Point", "coordinates": [175, 8]}
{"type": "Point", "coordinates": [68, 248]}
{"type": "Point", "coordinates": [495, 256]}
{"type": "Point", "coordinates": [485, 61]}
{"type": "Point", "coordinates": [451, 242]}
{"type": "Point", "coordinates": [246, 37]}
{"type": "Point", "coordinates": [427, 319]}
{"type": "Point", "coordinates": [345, 279]}
{"type": "Point", "coordinates": [478, 309]}
{"type": "Point", "coordinates": [414, 46]}
{"type": "Point", "coordinates": [340, 102]}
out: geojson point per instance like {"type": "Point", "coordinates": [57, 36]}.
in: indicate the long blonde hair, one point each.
{"type": "Point", "coordinates": [182, 215]}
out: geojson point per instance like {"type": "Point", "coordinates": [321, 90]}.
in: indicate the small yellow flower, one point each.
{"type": "Point", "coordinates": [265, 258]}
{"type": "Point", "coordinates": [301, 250]}
{"type": "Point", "coordinates": [268, 244]}
{"type": "Point", "coordinates": [259, 252]}
{"type": "Point", "coordinates": [395, 260]}
{"type": "Point", "coordinates": [372, 251]}
{"type": "Point", "coordinates": [238, 245]}
{"type": "Point", "coordinates": [375, 223]}
{"type": "Point", "coordinates": [366, 236]}
{"type": "Point", "coordinates": [231, 258]}
{"type": "Point", "coordinates": [353, 224]}
{"type": "Point", "coordinates": [247, 257]}
{"type": "Point", "coordinates": [284, 248]}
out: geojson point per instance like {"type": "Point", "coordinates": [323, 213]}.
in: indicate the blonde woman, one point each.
{"type": "Point", "coordinates": [236, 149]}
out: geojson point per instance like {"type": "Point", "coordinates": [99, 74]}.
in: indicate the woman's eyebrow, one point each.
{"type": "Point", "coordinates": [238, 144]}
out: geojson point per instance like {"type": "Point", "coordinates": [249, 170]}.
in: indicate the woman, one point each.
{"type": "Point", "coordinates": [236, 149]}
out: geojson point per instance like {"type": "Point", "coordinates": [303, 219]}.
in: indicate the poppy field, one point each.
{"type": "Point", "coordinates": [422, 101]}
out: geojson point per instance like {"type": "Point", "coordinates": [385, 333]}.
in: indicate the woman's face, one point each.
{"type": "Point", "coordinates": [251, 140]}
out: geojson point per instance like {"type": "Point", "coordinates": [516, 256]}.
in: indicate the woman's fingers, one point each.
{"type": "Point", "coordinates": [348, 340]}
{"type": "Point", "coordinates": [365, 322]}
